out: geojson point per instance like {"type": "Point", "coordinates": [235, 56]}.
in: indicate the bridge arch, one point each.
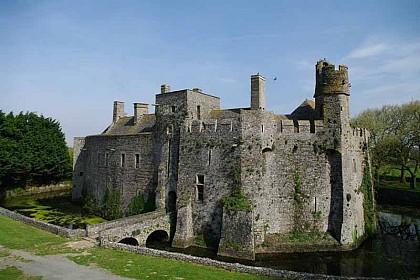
{"type": "Point", "coordinates": [157, 238]}
{"type": "Point", "coordinates": [129, 241]}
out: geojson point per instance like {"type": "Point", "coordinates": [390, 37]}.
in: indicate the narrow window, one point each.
{"type": "Point", "coordinates": [200, 187]}
{"type": "Point", "coordinates": [354, 166]}
{"type": "Point", "coordinates": [106, 159]}
{"type": "Point", "coordinates": [209, 156]}
{"type": "Point", "coordinates": [173, 108]}
{"type": "Point", "coordinates": [137, 160]}
{"type": "Point", "coordinates": [99, 159]}
{"type": "Point", "coordinates": [122, 160]}
{"type": "Point", "coordinates": [262, 128]}
{"type": "Point", "coordinates": [81, 173]}
{"type": "Point", "coordinates": [198, 113]}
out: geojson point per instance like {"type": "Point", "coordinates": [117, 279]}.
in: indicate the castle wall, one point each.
{"type": "Point", "coordinates": [103, 168]}
{"type": "Point", "coordinates": [78, 167]}
{"type": "Point", "coordinates": [210, 151]}
{"type": "Point", "coordinates": [354, 161]}
{"type": "Point", "coordinates": [285, 174]}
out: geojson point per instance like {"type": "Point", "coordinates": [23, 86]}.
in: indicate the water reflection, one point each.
{"type": "Point", "coordinates": [385, 255]}
{"type": "Point", "coordinates": [390, 254]}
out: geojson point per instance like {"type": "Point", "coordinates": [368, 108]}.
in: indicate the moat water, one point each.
{"type": "Point", "coordinates": [54, 208]}
{"type": "Point", "coordinates": [393, 253]}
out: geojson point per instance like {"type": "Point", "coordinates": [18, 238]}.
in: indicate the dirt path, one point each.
{"type": "Point", "coordinates": [53, 267]}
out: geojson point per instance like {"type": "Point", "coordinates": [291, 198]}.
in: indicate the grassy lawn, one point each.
{"type": "Point", "coordinates": [144, 267]}
{"type": "Point", "coordinates": [394, 171]}
{"type": "Point", "coordinates": [397, 185]}
{"type": "Point", "coordinates": [14, 273]}
{"type": "Point", "coordinates": [15, 235]}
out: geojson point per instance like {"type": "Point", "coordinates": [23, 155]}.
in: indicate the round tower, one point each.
{"type": "Point", "coordinates": [332, 92]}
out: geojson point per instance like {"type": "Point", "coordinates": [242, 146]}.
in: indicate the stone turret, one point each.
{"type": "Point", "coordinates": [332, 93]}
{"type": "Point", "coordinates": [257, 92]}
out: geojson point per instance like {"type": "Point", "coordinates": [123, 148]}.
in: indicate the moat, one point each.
{"type": "Point", "coordinates": [54, 208]}
{"type": "Point", "coordinates": [393, 253]}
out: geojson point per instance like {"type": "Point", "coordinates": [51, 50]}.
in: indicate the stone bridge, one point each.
{"type": "Point", "coordinates": [134, 230]}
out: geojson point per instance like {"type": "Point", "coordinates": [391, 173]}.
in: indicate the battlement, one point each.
{"type": "Point", "coordinates": [299, 126]}
{"type": "Point", "coordinates": [361, 132]}
{"type": "Point", "coordinates": [330, 80]}
{"type": "Point", "coordinates": [196, 126]}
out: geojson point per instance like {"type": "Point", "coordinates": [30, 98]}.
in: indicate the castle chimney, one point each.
{"type": "Point", "coordinates": [165, 89]}
{"type": "Point", "coordinates": [257, 92]}
{"type": "Point", "coordinates": [140, 109]}
{"type": "Point", "coordinates": [118, 111]}
{"type": "Point", "coordinates": [199, 90]}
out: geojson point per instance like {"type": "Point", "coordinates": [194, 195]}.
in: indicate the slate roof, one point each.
{"type": "Point", "coordinates": [126, 126]}
{"type": "Point", "coordinates": [305, 111]}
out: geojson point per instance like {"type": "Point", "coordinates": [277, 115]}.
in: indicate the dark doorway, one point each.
{"type": "Point", "coordinates": [171, 201]}
{"type": "Point", "coordinates": [172, 213]}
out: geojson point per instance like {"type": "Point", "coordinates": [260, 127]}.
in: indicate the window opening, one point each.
{"type": "Point", "coordinates": [209, 156]}
{"type": "Point", "coordinates": [198, 112]}
{"type": "Point", "coordinates": [262, 128]}
{"type": "Point", "coordinates": [354, 166]}
{"type": "Point", "coordinates": [137, 160]}
{"type": "Point", "coordinates": [122, 160]}
{"type": "Point", "coordinates": [173, 108]}
{"type": "Point", "coordinates": [99, 159]}
{"type": "Point", "coordinates": [200, 187]}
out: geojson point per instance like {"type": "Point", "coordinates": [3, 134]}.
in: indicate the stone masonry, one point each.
{"type": "Point", "coordinates": [300, 172]}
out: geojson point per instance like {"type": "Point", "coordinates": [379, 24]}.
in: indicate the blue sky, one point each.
{"type": "Point", "coordinates": [69, 60]}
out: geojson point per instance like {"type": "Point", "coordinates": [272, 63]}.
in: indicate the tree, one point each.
{"type": "Point", "coordinates": [395, 137]}
{"type": "Point", "coordinates": [32, 150]}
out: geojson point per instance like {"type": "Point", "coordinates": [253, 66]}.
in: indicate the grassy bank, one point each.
{"type": "Point", "coordinates": [144, 267]}
{"type": "Point", "coordinates": [397, 185]}
{"type": "Point", "coordinates": [14, 235]}
{"type": "Point", "coordinates": [14, 273]}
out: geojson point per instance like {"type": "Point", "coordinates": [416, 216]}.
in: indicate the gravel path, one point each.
{"type": "Point", "coordinates": [53, 267]}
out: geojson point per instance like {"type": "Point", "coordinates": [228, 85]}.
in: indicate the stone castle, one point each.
{"type": "Point", "coordinates": [238, 181]}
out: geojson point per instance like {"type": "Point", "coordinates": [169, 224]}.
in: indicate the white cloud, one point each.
{"type": "Point", "coordinates": [368, 51]}
{"type": "Point", "coordinates": [384, 71]}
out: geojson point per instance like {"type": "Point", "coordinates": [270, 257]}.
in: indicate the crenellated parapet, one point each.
{"type": "Point", "coordinates": [288, 127]}
{"type": "Point", "coordinates": [330, 80]}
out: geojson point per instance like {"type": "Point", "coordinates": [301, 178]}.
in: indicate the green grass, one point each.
{"type": "Point", "coordinates": [394, 171]}
{"type": "Point", "coordinates": [4, 253]}
{"type": "Point", "coordinates": [396, 185]}
{"type": "Point", "coordinates": [13, 273]}
{"type": "Point", "coordinates": [15, 235]}
{"type": "Point", "coordinates": [297, 236]}
{"type": "Point", "coordinates": [137, 266]}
